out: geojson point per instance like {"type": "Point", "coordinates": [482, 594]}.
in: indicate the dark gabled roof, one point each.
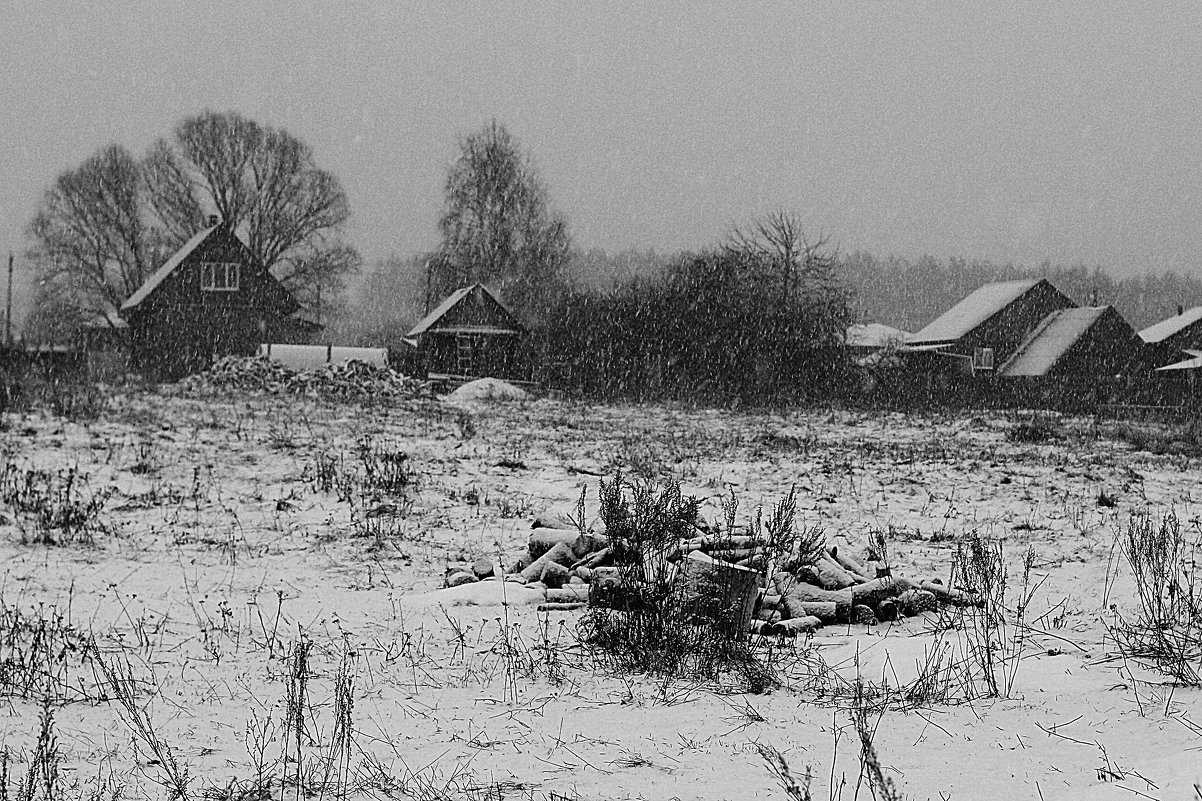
{"type": "Point", "coordinates": [975, 309]}
{"type": "Point", "coordinates": [160, 275]}
{"type": "Point", "coordinates": [1161, 331]}
{"type": "Point", "coordinates": [430, 321]}
{"type": "Point", "coordinates": [1052, 338]}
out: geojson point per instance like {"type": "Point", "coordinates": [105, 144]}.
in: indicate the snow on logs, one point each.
{"type": "Point", "coordinates": [734, 581]}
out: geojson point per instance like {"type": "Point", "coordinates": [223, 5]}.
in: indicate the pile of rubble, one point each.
{"type": "Point", "coordinates": [351, 379]}
{"type": "Point", "coordinates": [733, 572]}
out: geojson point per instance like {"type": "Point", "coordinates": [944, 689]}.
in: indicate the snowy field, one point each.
{"type": "Point", "coordinates": [218, 555]}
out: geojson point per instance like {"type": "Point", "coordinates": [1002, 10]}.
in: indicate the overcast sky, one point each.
{"type": "Point", "coordinates": [1069, 131]}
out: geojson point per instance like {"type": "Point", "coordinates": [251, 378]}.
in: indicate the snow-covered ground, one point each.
{"type": "Point", "coordinates": [223, 548]}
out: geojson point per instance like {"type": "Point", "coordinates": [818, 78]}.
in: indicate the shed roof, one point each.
{"type": "Point", "coordinates": [169, 266]}
{"type": "Point", "coordinates": [975, 309]}
{"type": "Point", "coordinates": [1166, 328]}
{"type": "Point", "coordinates": [1050, 340]}
{"type": "Point", "coordinates": [430, 321]}
{"type": "Point", "coordinates": [874, 335]}
{"type": "Point", "coordinates": [1194, 362]}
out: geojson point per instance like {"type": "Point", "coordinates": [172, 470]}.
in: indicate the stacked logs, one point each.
{"type": "Point", "coordinates": [838, 588]}
{"type": "Point", "coordinates": [560, 560]}
{"type": "Point", "coordinates": [353, 379]}
{"type": "Point", "coordinates": [574, 568]}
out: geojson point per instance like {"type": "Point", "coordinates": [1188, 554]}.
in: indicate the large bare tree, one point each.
{"type": "Point", "coordinates": [105, 226]}
{"type": "Point", "coordinates": [92, 238]}
{"type": "Point", "coordinates": [262, 181]}
{"type": "Point", "coordinates": [497, 225]}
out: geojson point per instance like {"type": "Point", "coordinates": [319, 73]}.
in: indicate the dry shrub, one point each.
{"type": "Point", "coordinates": [1167, 634]}
{"type": "Point", "coordinates": [657, 628]}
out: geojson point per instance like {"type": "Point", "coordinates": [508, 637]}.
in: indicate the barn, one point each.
{"type": "Point", "coordinates": [471, 334]}
{"type": "Point", "coordinates": [212, 298]}
{"type": "Point", "coordinates": [984, 329]}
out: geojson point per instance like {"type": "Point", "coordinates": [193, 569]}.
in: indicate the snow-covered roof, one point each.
{"type": "Point", "coordinates": [160, 275]}
{"type": "Point", "coordinates": [975, 309]}
{"type": "Point", "coordinates": [874, 335]}
{"type": "Point", "coordinates": [453, 300]}
{"type": "Point", "coordinates": [1050, 340]}
{"type": "Point", "coordinates": [1166, 328]}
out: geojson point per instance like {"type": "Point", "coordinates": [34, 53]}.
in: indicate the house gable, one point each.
{"type": "Point", "coordinates": [996, 317]}
{"type": "Point", "coordinates": [1084, 342]}
{"type": "Point", "coordinates": [471, 310]}
{"type": "Point", "coordinates": [212, 270]}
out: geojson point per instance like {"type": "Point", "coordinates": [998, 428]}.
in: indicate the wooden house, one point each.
{"type": "Point", "coordinates": [986, 328]}
{"type": "Point", "coordinates": [1092, 343]}
{"type": "Point", "coordinates": [1170, 339]}
{"type": "Point", "coordinates": [471, 334]}
{"type": "Point", "coordinates": [212, 298]}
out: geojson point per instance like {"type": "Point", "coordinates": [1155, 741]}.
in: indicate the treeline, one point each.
{"type": "Point", "coordinates": [727, 325]}
{"type": "Point", "coordinates": [908, 294]}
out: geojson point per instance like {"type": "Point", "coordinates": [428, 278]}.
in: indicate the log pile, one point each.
{"type": "Point", "coordinates": [352, 379]}
{"type": "Point", "coordinates": [733, 580]}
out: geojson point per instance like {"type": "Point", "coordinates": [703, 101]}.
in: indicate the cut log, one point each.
{"type": "Point", "coordinates": [946, 596]}
{"type": "Point", "coordinates": [544, 539]}
{"type": "Point", "coordinates": [916, 602]}
{"type": "Point", "coordinates": [609, 589]}
{"type": "Point", "coordinates": [795, 595]}
{"type": "Point", "coordinates": [770, 615]}
{"type": "Point", "coordinates": [484, 567]}
{"type": "Point", "coordinates": [826, 611]}
{"type": "Point", "coordinates": [842, 555]}
{"type": "Point", "coordinates": [719, 592]}
{"type": "Point", "coordinates": [873, 592]}
{"type": "Point", "coordinates": [828, 574]}
{"type": "Point", "coordinates": [733, 554]}
{"type": "Point", "coordinates": [863, 615]}
{"type": "Point", "coordinates": [571, 593]}
{"type": "Point", "coordinates": [560, 554]}
{"type": "Point", "coordinates": [459, 578]}
{"type": "Point", "coordinates": [554, 575]}
{"type": "Point", "coordinates": [794, 626]}
{"type": "Point", "coordinates": [888, 609]}
{"type": "Point", "coordinates": [594, 559]}
{"type": "Point", "coordinates": [560, 607]}
{"type": "Point", "coordinates": [709, 541]}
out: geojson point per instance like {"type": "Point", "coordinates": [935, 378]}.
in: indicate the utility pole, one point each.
{"type": "Point", "coordinates": [8, 306]}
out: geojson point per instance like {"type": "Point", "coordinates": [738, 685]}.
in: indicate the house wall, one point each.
{"type": "Point", "coordinates": [491, 355]}
{"type": "Point", "coordinates": [1109, 348]}
{"type": "Point", "coordinates": [181, 328]}
{"type": "Point", "coordinates": [1007, 329]}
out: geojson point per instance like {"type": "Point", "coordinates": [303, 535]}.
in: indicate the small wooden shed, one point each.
{"type": "Point", "coordinates": [471, 334]}
{"type": "Point", "coordinates": [212, 298]}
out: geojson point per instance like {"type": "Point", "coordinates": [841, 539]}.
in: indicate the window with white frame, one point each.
{"type": "Point", "coordinates": [982, 358]}
{"type": "Point", "coordinates": [219, 276]}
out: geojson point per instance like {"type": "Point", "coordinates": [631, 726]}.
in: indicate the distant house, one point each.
{"type": "Point", "coordinates": [471, 334]}
{"type": "Point", "coordinates": [211, 299]}
{"type": "Point", "coordinates": [1093, 343]}
{"type": "Point", "coordinates": [1171, 338]}
{"type": "Point", "coordinates": [986, 328]}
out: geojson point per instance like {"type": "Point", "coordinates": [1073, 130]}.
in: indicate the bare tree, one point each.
{"type": "Point", "coordinates": [104, 227]}
{"type": "Point", "coordinates": [496, 224]}
{"type": "Point", "coordinates": [261, 180]}
{"type": "Point", "coordinates": [91, 236]}
{"type": "Point", "coordinates": [781, 238]}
